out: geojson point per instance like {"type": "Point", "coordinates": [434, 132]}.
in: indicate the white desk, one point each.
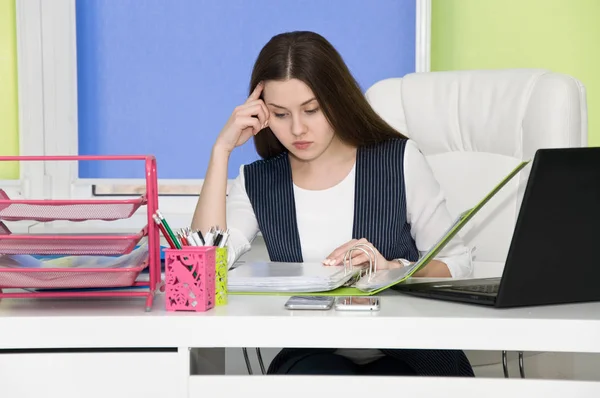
{"type": "Point", "coordinates": [261, 321]}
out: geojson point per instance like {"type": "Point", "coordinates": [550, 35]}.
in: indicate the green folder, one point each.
{"type": "Point", "coordinates": [408, 271]}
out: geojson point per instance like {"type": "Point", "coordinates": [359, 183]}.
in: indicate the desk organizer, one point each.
{"type": "Point", "coordinates": [78, 281]}
{"type": "Point", "coordinates": [190, 278]}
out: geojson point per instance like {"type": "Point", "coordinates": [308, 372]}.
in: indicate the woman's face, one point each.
{"type": "Point", "coordinates": [297, 119]}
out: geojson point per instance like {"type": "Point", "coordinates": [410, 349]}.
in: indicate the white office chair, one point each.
{"type": "Point", "coordinates": [474, 127]}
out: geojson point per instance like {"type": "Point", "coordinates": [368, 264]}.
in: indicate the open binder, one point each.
{"type": "Point", "coordinates": [347, 279]}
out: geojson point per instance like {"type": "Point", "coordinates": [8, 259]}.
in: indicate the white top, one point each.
{"type": "Point", "coordinates": [325, 217]}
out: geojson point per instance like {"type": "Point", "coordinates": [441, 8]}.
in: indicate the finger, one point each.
{"type": "Point", "coordinates": [340, 251]}
{"type": "Point", "coordinates": [360, 259]}
{"type": "Point", "coordinates": [256, 92]}
{"type": "Point", "coordinates": [267, 113]}
{"type": "Point", "coordinates": [265, 109]}
{"type": "Point", "coordinates": [249, 122]}
{"type": "Point", "coordinates": [339, 257]}
{"type": "Point", "coordinates": [253, 109]}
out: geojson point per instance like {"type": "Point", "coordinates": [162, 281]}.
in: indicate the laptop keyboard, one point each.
{"type": "Point", "coordinates": [490, 289]}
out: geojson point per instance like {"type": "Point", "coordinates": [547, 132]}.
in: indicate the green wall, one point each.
{"type": "Point", "coordinates": [9, 114]}
{"type": "Point", "coordinates": [559, 35]}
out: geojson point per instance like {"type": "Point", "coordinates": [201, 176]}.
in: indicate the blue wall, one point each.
{"type": "Point", "coordinates": [162, 77]}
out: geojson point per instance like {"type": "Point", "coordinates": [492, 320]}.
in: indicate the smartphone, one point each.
{"type": "Point", "coordinates": [350, 303]}
{"type": "Point", "coordinates": [309, 303]}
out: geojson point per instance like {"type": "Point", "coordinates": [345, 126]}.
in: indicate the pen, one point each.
{"type": "Point", "coordinates": [191, 238]}
{"type": "Point", "coordinates": [169, 231]}
{"type": "Point", "coordinates": [200, 238]}
{"type": "Point", "coordinates": [163, 231]}
{"type": "Point", "coordinates": [218, 238]}
{"type": "Point", "coordinates": [208, 238]}
{"type": "Point", "coordinates": [183, 239]}
{"type": "Point", "coordinates": [225, 236]}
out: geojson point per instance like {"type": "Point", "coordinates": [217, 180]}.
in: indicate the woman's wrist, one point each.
{"type": "Point", "coordinates": [219, 150]}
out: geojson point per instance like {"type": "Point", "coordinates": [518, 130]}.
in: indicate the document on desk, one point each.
{"type": "Point", "coordinates": [287, 277]}
{"type": "Point", "coordinates": [303, 278]}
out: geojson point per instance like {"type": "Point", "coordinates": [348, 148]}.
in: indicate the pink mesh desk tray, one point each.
{"type": "Point", "coordinates": [69, 282]}
{"type": "Point", "coordinates": [70, 210]}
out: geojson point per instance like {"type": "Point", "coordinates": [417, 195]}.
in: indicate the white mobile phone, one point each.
{"type": "Point", "coordinates": [357, 303]}
{"type": "Point", "coordinates": [309, 303]}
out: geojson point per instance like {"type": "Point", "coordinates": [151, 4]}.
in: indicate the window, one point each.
{"type": "Point", "coordinates": [162, 79]}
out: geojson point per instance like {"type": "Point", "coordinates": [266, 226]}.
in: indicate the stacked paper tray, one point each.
{"type": "Point", "coordinates": [71, 210]}
{"type": "Point", "coordinates": [74, 244]}
{"type": "Point", "coordinates": [287, 277]}
{"type": "Point", "coordinates": [25, 271]}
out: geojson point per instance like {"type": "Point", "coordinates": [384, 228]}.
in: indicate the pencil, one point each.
{"type": "Point", "coordinates": [163, 231]}
{"type": "Point", "coordinates": [169, 231]}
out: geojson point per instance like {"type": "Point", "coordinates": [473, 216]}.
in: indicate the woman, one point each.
{"type": "Point", "coordinates": [332, 173]}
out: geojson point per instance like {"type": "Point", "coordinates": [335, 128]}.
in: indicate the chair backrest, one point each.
{"type": "Point", "coordinates": [474, 127]}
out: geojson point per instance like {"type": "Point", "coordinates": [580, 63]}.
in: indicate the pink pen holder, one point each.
{"type": "Point", "coordinates": [190, 278]}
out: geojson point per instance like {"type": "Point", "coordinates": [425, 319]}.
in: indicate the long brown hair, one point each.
{"type": "Point", "coordinates": [310, 58]}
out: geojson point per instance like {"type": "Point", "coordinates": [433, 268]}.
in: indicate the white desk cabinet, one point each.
{"type": "Point", "coordinates": [90, 375]}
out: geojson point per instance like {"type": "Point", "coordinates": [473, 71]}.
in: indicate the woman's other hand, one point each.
{"type": "Point", "coordinates": [246, 121]}
{"type": "Point", "coordinates": [358, 256]}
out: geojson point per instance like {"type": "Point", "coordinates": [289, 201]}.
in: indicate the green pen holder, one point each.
{"type": "Point", "coordinates": [221, 276]}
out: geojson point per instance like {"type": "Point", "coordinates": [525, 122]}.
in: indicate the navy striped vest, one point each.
{"type": "Point", "coordinates": [379, 203]}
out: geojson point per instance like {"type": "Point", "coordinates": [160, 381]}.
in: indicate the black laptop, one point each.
{"type": "Point", "coordinates": [554, 255]}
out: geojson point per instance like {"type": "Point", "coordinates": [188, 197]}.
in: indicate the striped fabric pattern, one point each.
{"type": "Point", "coordinates": [271, 191]}
{"type": "Point", "coordinates": [380, 200]}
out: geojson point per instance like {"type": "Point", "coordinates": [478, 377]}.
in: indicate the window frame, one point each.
{"type": "Point", "coordinates": [31, 183]}
{"type": "Point", "coordinates": [48, 104]}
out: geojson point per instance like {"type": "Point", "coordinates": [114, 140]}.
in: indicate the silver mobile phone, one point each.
{"type": "Point", "coordinates": [350, 303]}
{"type": "Point", "coordinates": [309, 303]}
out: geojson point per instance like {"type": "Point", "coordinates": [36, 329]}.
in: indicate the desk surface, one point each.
{"type": "Point", "coordinates": [262, 321]}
